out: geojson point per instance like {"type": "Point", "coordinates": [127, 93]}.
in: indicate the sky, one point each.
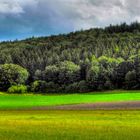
{"type": "Point", "coordinates": [21, 19]}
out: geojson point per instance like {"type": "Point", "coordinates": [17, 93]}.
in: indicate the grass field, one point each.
{"type": "Point", "coordinates": [31, 124]}
{"type": "Point", "coordinates": [27, 101]}
{"type": "Point", "coordinates": [70, 125]}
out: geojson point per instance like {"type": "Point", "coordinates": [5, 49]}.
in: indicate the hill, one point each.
{"type": "Point", "coordinates": [94, 59]}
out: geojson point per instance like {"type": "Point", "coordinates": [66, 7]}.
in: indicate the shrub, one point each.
{"type": "Point", "coordinates": [18, 89]}
{"type": "Point", "coordinates": [11, 74]}
{"type": "Point", "coordinates": [108, 85]}
{"type": "Point", "coordinates": [130, 80]}
{"type": "Point", "coordinates": [83, 87]}
{"type": "Point", "coordinates": [38, 86]}
{"type": "Point", "coordinates": [51, 87]}
{"type": "Point", "coordinates": [72, 88]}
{"type": "Point", "coordinates": [77, 87]}
{"type": "Point", "coordinates": [44, 87]}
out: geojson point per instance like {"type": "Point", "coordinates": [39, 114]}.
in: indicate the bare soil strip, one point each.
{"type": "Point", "coordinates": [134, 105]}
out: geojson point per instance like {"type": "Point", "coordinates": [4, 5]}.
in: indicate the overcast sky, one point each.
{"type": "Point", "coordinates": [25, 18]}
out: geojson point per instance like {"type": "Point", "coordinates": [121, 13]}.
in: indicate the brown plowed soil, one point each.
{"type": "Point", "coordinates": [135, 105]}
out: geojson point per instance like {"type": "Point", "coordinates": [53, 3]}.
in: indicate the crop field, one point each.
{"type": "Point", "coordinates": [28, 101]}
{"type": "Point", "coordinates": [69, 125]}
{"type": "Point", "coordinates": [19, 120]}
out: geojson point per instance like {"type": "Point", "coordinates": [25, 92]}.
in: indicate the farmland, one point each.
{"type": "Point", "coordinates": [69, 125]}
{"type": "Point", "coordinates": [30, 117]}
{"type": "Point", "coordinates": [28, 101]}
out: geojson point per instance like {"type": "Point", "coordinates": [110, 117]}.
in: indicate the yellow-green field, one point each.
{"type": "Point", "coordinates": [69, 125]}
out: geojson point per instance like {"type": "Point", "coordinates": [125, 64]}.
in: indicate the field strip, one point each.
{"type": "Point", "coordinates": [125, 105]}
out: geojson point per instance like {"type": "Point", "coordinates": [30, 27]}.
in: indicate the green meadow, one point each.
{"type": "Point", "coordinates": [69, 125]}
{"type": "Point", "coordinates": [27, 101]}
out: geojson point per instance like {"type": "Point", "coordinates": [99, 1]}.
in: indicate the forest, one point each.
{"type": "Point", "coordinates": [83, 61]}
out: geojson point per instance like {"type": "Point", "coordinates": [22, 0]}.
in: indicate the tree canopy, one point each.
{"type": "Point", "coordinates": [96, 59]}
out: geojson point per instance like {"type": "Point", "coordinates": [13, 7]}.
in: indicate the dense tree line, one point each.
{"type": "Point", "coordinates": [95, 59]}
